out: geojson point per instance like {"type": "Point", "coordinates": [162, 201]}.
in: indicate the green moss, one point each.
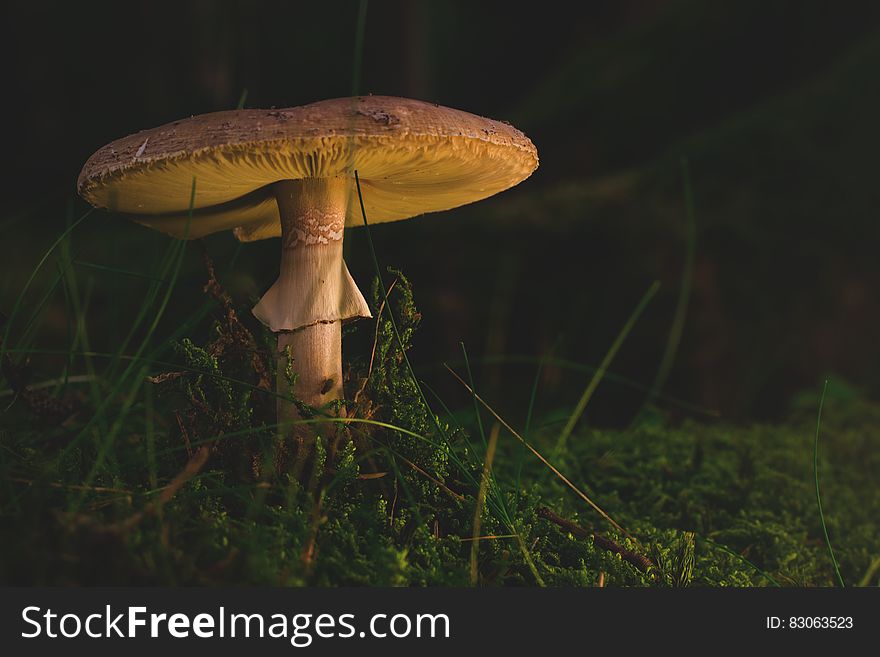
{"type": "Point", "coordinates": [708, 505]}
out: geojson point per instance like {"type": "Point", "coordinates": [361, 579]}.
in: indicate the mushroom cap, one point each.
{"type": "Point", "coordinates": [412, 157]}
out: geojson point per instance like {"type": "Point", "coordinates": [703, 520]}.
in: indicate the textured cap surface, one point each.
{"type": "Point", "coordinates": [411, 157]}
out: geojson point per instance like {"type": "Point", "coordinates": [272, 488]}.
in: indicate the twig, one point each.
{"type": "Point", "coordinates": [42, 385]}
{"type": "Point", "coordinates": [237, 333]}
{"type": "Point", "coordinates": [233, 335]}
{"type": "Point", "coordinates": [165, 376]}
{"type": "Point", "coordinates": [184, 433]}
{"type": "Point", "coordinates": [641, 562]}
{"type": "Point", "coordinates": [375, 342]}
{"type": "Point", "coordinates": [443, 487]}
{"type": "Point", "coordinates": [366, 476]}
{"type": "Point", "coordinates": [190, 470]}
{"type": "Point", "coordinates": [91, 489]}
{"type": "Point", "coordinates": [308, 553]}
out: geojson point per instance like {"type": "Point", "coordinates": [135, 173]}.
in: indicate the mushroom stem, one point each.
{"type": "Point", "coordinates": [316, 366]}
{"type": "Point", "coordinates": [313, 295]}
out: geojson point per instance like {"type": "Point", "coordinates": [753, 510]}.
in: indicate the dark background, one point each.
{"type": "Point", "coordinates": [775, 105]}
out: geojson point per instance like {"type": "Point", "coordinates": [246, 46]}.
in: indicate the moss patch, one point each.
{"type": "Point", "coordinates": [195, 489]}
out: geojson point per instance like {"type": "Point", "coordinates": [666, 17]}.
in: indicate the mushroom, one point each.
{"type": "Point", "coordinates": [289, 173]}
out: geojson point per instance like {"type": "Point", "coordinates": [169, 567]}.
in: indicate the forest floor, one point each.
{"type": "Point", "coordinates": [143, 468]}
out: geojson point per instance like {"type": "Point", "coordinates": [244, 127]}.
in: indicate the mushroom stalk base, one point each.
{"type": "Point", "coordinates": [306, 306]}
{"type": "Point", "coordinates": [315, 370]}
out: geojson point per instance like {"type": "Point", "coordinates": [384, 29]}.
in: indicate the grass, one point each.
{"type": "Point", "coordinates": [818, 494]}
{"type": "Point", "coordinates": [118, 491]}
{"type": "Point", "coordinates": [603, 367]}
{"type": "Point", "coordinates": [677, 327]}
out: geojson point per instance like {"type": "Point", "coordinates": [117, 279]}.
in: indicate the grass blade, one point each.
{"type": "Point", "coordinates": [17, 305]}
{"type": "Point", "coordinates": [357, 66]}
{"type": "Point", "coordinates": [737, 555]}
{"type": "Point", "coordinates": [117, 271]}
{"type": "Point", "coordinates": [684, 293]}
{"type": "Point", "coordinates": [524, 359]}
{"type": "Point", "coordinates": [520, 457]}
{"type": "Point", "coordinates": [242, 99]}
{"type": "Point", "coordinates": [604, 365]}
{"type": "Point", "coordinates": [818, 496]}
{"type": "Point", "coordinates": [477, 413]}
{"type": "Point", "coordinates": [384, 290]}
{"type": "Point", "coordinates": [176, 256]}
{"type": "Point", "coordinates": [553, 469]}
{"type": "Point", "coordinates": [873, 567]}
{"type": "Point", "coordinates": [481, 500]}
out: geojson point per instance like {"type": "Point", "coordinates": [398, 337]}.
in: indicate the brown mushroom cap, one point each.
{"type": "Point", "coordinates": [411, 157]}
